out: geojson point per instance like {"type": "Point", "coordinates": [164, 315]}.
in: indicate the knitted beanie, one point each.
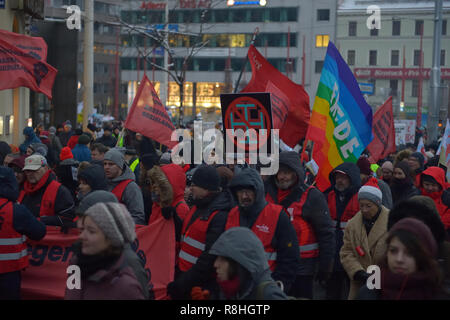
{"type": "Point", "coordinates": [115, 221]}
{"type": "Point", "coordinates": [420, 230]}
{"type": "Point", "coordinates": [206, 177]}
{"type": "Point", "coordinates": [94, 197]}
{"type": "Point", "coordinates": [66, 153]}
{"type": "Point", "coordinates": [388, 166]}
{"type": "Point", "coordinates": [371, 191]}
{"type": "Point", "coordinates": [115, 156]}
{"type": "Point", "coordinates": [84, 139]}
{"type": "Point", "coordinates": [364, 165]}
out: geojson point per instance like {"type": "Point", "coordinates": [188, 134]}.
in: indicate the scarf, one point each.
{"type": "Point", "coordinates": [230, 287]}
{"type": "Point", "coordinates": [90, 264]}
{"type": "Point", "coordinates": [405, 287]}
{"type": "Point", "coordinates": [31, 188]}
{"type": "Point", "coordinates": [282, 194]}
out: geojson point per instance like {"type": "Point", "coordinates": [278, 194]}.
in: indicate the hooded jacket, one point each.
{"type": "Point", "coordinates": [94, 175]}
{"type": "Point", "coordinates": [315, 212]}
{"type": "Point", "coordinates": [132, 195]}
{"type": "Point", "coordinates": [439, 175]}
{"type": "Point", "coordinates": [4, 150]}
{"type": "Point", "coordinates": [30, 138]}
{"type": "Point", "coordinates": [285, 240]}
{"type": "Point", "coordinates": [108, 141]}
{"type": "Point", "coordinates": [66, 171]}
{"type": "Point", "coordinates": [23, 220]}
{"type": "Point", "coordinates": [342, 199]}
{"type": "Point", "coordinates": [242, 246]}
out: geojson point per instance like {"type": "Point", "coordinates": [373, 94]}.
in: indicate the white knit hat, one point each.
{"type": "Point", "coordinates": [371, 191]}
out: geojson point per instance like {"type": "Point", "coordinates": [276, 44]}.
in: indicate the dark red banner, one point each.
{"type": "Point", "coordinates": [148, 116]}
{"type": "Point", "coordinates": [383, 129]}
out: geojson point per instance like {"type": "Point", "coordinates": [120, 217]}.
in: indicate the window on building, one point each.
{"type": "Point", "coordinates": [395, 57]}
{"type": "Point", "coordinates": [416, 58]}
{"type": "Point", "coordinates": [275, 14]}
{"type": "Point", "coordinates": [442, 57]}
{"type": "Point", "coordinates": [323, 15]}
{"type": "Point", "coordinates": [292, 14]}
{"type": "Point", "coordinates": [372, 57]}
{"type": "Point", "coordinates": [419, 27]}
{"type": "Point", "coordinates": [374, 32]}
{"type": "Point", "coordinates": [444, 27]}
{"type": "Point", "coordinates": [415, 88]}
{"type": "Point", "coordinates": [396, 25]}
{"type": "Point", "coordinates": [322, 40]}
{"type": "Point", "coordinates": [352, 28]}
{"type": "Point", "coordinates": [238, 15]}
{"type": "Point", "coordinates": [256, 15]}
{"type": "Point", "coordinates": [393, 84]}
{"type": "Point", "coordinates": [351, 57]}
{"type": "Point", "coordinates": [318, 66]}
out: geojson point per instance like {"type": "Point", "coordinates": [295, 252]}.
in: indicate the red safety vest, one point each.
{"type": "Point", "coordinates": [309, 247]}
{"type": "Point", "coordinates": [120, 188]}
{"type": "Point", "coordinates": [351, 209]}
{"type": "Point", "coordinates": [264, 228]}
{"type": "Point", "coordinates": [48, 199]}
{"type": "Point", "coordinates": [193, 239]}
{"type": "Point", "coordinates": [13, 249]}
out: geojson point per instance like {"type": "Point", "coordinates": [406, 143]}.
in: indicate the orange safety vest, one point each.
{"type": "Point", "coordinates": [120, 188]}
{"type": "Point", "coordinates": [13, 249]}
{"type": "Point", "coordinates": [351, 209]}
{"type": "Point", "coordinates": [48, 199]}
{"type": "Point", "coordinates": [309, 247]}
{"type": "Point", "coordinates": [264, 228]}
{"type": "Point", "coordinates": [193, 239]}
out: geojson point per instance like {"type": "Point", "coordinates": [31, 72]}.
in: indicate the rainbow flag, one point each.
{"type": "Point", "coordinates": [341, 120]}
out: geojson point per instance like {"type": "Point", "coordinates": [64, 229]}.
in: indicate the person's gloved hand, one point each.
{"type": "Point", "coordinates": [361, 276]}
{"type": "Point", "coordinates": [197, 293]}
{"type": "Point", "coordinates": [167, 212]}
{"type": "Point", "coordinates": [322, 277]}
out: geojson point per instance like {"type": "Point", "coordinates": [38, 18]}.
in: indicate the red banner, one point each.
{"type": "Point", "coordinates": [22, 64]}
{"type": "Point", "coordinates": [383, 129]}
{"type": "Point", "coordinates": [46, 276]}
{"type": "Point", "coordinates": [149, 117]}
{"type": "Point", "coordinates": [290, 102]}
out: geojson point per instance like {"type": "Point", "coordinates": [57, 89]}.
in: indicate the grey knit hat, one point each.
{"type": "Point", "coordinates": [115, 221]}
{"type": "Point", "coordinates": [95, 197]}
{"type": "Point", "coordinates": [115, 156]}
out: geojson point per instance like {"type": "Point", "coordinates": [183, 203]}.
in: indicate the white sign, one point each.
{"type": "Point", "coordinates": [406, 131]}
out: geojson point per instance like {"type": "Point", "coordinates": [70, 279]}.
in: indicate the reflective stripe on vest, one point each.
{"type": "Point", "coordinates": [309, 247]}
{"type": "Point", "coordinates": [120, 188]}
{"type": "Point", "coordinates": [264, 228]}
{"type": "Point", "coordinates": [193, 239]}
{"type": "Point", "coordinates": [13, 249]}
{"type": "Point", "coordinates": [350, 210]}
{"type": "Point", "coordinates": [134, 164]}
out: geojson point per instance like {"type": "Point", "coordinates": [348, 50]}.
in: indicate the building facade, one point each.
{"type": "Point", "coordinates": [293, 35]}
{"type": "Point", "coordinates": [387, 61]}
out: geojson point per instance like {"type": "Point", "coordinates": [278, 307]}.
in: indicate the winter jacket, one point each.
{"type": "Point", "coordinates": [439, 175]}
{"type": "Point", "coordinates": [64, 205]}
{"type": "Point", "coordinates": [403, 191]}
{"type": "Point", "coordinates": [373, 245]}
{"type": "Point", "coordinates": [285, 240]}
{"type": "Point", "coordinates": [108, 141]}
{"type": "Point", "coordinates": [65, 136]}
{"type": "Point", "coordinates": [342, 199]}
{"type": "Point", "coordinates": [118, 282]}
{"type": "Point", "coordinates": [386, 194]}
{"type": "Point", "coordinates": [81, 153]}
{"type": "Point", "coordinates": [132, 195]}
{"type": "Point", "coordinates": [315, 212]}
{"type": "Point", "coordinates": [66, 172]}
{"type": "Point", "coordinates": [242, 246]}
{"type": "Point", "coordinates": [30, 137]}
{"type": "Point", "coordinates": [4, 150]}
{"type": "Point", "coordinates": [202, 272]}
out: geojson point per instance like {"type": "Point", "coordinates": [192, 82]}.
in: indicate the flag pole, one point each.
{"type": "Point", "coordinates": [245, 61]}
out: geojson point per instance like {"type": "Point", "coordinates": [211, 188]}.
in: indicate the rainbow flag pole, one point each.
{"type": "Point", "coordinates": [341, 120]}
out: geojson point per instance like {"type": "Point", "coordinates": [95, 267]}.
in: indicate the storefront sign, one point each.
{"type": "Point", "coordinates": [397, 73]}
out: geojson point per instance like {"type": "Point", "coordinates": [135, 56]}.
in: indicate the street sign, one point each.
{"type": "Point", "coordinates": [366, 88]}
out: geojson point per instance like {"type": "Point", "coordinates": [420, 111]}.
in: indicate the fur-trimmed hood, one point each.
{"type": "Point", "coordinates": [171, 181]}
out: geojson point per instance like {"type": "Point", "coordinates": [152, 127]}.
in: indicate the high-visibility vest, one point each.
{"type": "Point", "coordinates": [264, 228]}
{"type": "Point", "coordinates": [13, 249]}
{"type": "Point", "coordinates": [309, 247]}
{"type": "Point", "coordinates": [48, 201]}
{"type": "Point", "coordinates": [193, 239]}
{"type": "Point", "coordinates": [120, 188]}
{"type": "Point", "coordinates": [351, 209]}
{"type": "Point", "coordinates": [134, 164]}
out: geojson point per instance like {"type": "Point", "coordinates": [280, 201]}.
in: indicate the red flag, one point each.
{"type": "Point", "coordinates": [24, 65]}
{"type": "Point", "coordinates": [290, 102]}
{"type": "Point", "coordinates": [149, 117]}
{"type": "Point", "coordinates": [383, 129]}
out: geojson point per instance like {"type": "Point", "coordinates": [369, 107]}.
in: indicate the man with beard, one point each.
{"type": "Point", "coordinates": [308, 210]}
{"type": "Point", "coordinates": [202, 226]}
{"type": "Point", "coordinates": [269, 222]}
{"type": "Point", "coordinates": [343, 203]}
{"type": "Point", "coordinates": [402, 185]}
